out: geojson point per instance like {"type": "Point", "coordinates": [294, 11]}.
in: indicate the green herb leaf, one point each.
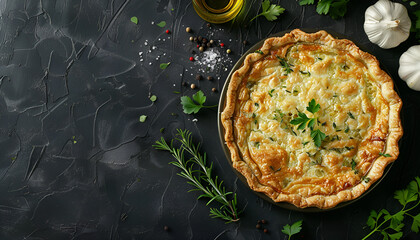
{"type": "Point", "coordinates": [163, 66]}
{"type": "Point", "coordinates": [259, 51]}
{"type": "Point", "coordinates": [302, 120]}
{"type": "Point", "coordinates": [269, 11]}
{"type": "Point", "coordinates": [350, 115]}
{"type": "Point", "coordinates": [385, 154]}
{"type": "Point", "coordinates": [134, 20]}
{"type": "Point", "coordinates": [334, 8]}
{"type": "Point", "coordinates": [292, 230]}
{"type": "Point", "coordinates": [199, 175]}
{"type": "Point", "coordinates": [153, 98]}
{"type": "Point", "coordinates": [161, 24]}
{"type": "Point", "coordinates": [306, 2]}
{"type": "Point", "coordinates": [416, 223]}
{"type": "Point", "coordinates": [286, 66]}
{"type": "Point", "coordinates": [142, 118]}
{"type": "Point", "coordinates": [313, 107]}
{"type": "Point", "coordinates": [413, 3]}
{"type": "Point", "coordinates": [317, 136]}
{"type": "Point", "coordinates": [190, 106]}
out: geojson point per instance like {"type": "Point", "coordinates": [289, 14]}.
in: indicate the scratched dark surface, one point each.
{"type": "Point", "coordinates": [76, 163]}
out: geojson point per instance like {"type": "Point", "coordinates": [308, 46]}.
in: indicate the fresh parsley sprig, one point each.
{"type": "Point", "coordinates": [190, 106]}
{"type": "Point", "coordinates": [201, 177]}
{"type": "Point", "coordinates": [335, 8]}
{"type": "Point", "coordinates": [286, 66]}
{"type": "Point", "coordinates": [292, 230]}
{"type": "Point", "coordinates": [391, 225]}
{"type": "Point", "coordinates": [269, 11]}
{"type": "Point", "coordinates": [304, 121]}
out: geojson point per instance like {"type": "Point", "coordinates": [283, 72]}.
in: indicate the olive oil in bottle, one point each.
{"type": "Point", "coordinates": [217, 11]}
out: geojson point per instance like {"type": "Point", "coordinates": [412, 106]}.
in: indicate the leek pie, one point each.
{"type": "Point", "coordinates": [311, 120]}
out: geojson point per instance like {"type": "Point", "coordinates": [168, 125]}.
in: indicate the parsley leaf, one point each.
{"type": "Point", "coordinates": [190, 106]}
{"type": "Point", "coordinates": [259, 51]}
{"type": "Point", "coordinates": [317, 136]}
{"type": "Point", "coordinates": [134, 20]}
{"type": "Point", "coordinates": [142, 118]}
{"type": "Point", "coordinates": [161, 24]}
{"type": "Point", "coordinates": [269, 11]}
{"type": "Point", "coordinates": [313, 107]}
{"type": "Point", "coordinates": [383, 222]}
{"type": "Point", "coordinates": [334, 8]}
{"type": "Point", "coordinates": [163, 66]}
{"type": "Point", "coordinates": [302, 120]}
{"type": "Point", "coordinates": [292, 230]}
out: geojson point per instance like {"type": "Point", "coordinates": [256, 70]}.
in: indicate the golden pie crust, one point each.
{"type": "Point", "coordinates": [359, 114]}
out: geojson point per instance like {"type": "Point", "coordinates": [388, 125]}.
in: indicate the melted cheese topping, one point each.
{"type": "Point", "coordinates": [277, 88]}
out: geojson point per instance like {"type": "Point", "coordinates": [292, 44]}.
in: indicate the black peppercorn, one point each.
{"type": "Point", "coordinates": [205, 40]}
{"type": "Point", "coordinates": [263, 221]}
{"type": "Point", "coordinates": [258, 226]}
{"type": "Point", "coordinates": [166, 228]}
{"type": "Point", "coordinates": [198, 77]}
{"type": "Point", "coordinates": [245, 42]}
{"type": "Point", "coordinates": [265, 230]}
{"type": "Point", "coordinates": [208, 44]}
{"type": "Point", "coordinates": [184, 84]}
{"type": "Point", "coordinates": [200, 38]}
{"type": "Point", "coordinates": [195, 39]}
{"type": "Point", "coordinates": [214, 90]}
{"type": "Point", "coordinates": [210, 78]}
{"type": "Point", "coordinates": [208, 25]}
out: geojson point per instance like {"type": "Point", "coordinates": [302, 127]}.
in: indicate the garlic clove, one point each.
{"type": "Point", "coordinates": [409, 69]}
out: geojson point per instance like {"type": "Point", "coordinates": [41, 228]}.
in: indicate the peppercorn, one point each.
{"type": "Point", "coordinates": [228, 51]}
{"type": "Point", "coordinates": [198, 77]}
{"type": "Point", "coordinates": [203, 45]}
{"type": "Point", "coordinates": [188, 29]}
{"type": "Point", "coordinates": [208, 25]}
{"type": "Point", "coordinates": [192, 52]}
{"type": "Point", "coordinates": [191, 39]}
{"type": "Point", "coordinates": [195, 39]}
{"type": "Point", "coordinates": [211, 41]}
{"type": "Point", "coordinates": [259, 221]}
{"type": "Point", "coordinates": [214, 90]}
{"type": "Point", "coordinates": [263, 221]}
{"type": "Point", "coordinates": [208, 44]}
{"type": "Point", "coordinates": [166, 228]}
{"type": "Point", "coordinates": [198, 45]}
{"type": "Point", "coordinates": [205, 40]}
{"type": "Point", "coordinates": [193, 86]}
{"type": "Point", "coordinates": [245, 42]}
{"type": "Point", "coordinates": [265, 230]}
{"type": "Point", "coordinates": [191, 59]}
{"type": "Point", "coordinates": [200, 38]}
{"type": "Point", "coordinates": [210, 78]}
{"type": "Point", "coordinates": [222, 44]}
{"type": "Point", "coordinates": [184, 84]}
{"type": "Point", "coordinates": [167, 31]}
{"type": "Point", "coordinates": [258, 226]}
{"type": "Point", "coordinates": [201, 49]}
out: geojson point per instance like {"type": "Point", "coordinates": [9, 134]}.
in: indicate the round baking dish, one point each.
{"type": "Point", "coordinates": [221, 129]}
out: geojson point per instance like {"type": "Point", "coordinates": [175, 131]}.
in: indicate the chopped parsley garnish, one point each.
{"type": "Point", "coordinates": [142, 118]}
{"type": "Point", "coordinates": [259, 51]}
{"type": "Point", "coordinates": [306, 73]}
{"type": "Point", "coordinates": [163, 66]}
{"type": "Point", "coordinates": [275, 170]}
{"type": "Point", "coordinates": [350, 115]}
{"type": "Point", "coordinates": [153, 98]}
{"type": "Point", "coordinates": [161, 24]}
{"type": "Point", "coordinates": [271, 92]}
{"type": "Point", "coordinates": [286, 66]}
{"type": "Point", "coordinates": [385, 154]}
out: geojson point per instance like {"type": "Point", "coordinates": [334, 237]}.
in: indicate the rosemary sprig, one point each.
{"type": "Point", "coordinates": [200, 177]}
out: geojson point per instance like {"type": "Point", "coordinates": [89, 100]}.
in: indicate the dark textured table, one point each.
{"type": "Point", "coordinates": [76, 163]}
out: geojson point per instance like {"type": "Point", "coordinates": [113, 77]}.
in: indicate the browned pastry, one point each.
{"type": "Point", "coordinates": [359, 115]}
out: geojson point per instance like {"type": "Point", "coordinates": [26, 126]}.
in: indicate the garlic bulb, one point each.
{"type": "Point", "coordinates": [387, 24]}
{"type": "Point", "coordinates": [409, 70]}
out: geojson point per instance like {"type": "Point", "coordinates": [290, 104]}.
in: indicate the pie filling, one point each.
{"type": "Point", "coordinates": [307, 121]}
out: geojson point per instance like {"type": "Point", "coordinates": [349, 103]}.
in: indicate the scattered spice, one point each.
{"type": "Point", "coordinates": [228, 51]}
{"type": "Point", "coordinates": [191, 39]}
{"type": "Point", "coordinates": [222, 45]}
{"type": "Point", "coordinates": [167, 31]}
{"type": "Point", "coordinates": [258, 226]}
{"type": "Point", "coordinates": [166, 228]}
{"type": "Point", "coordinates": [188, 29]}
{"type": "Point", "coordinates": [265, 230]}
{"type": "Point", "coordinates": [263, 221]}
{"type": "Point", "coordinates": [184, 84]}
{"type": "Point", "coordinates": [193, 86]}
{"type": "Point", "coordinates": [208, 25]}
{"type": "Point", "coordinates": [245, 42]}
{"type": "Point", "coordinates": [200, 38]}
{"type": "Point", "coordinates": [191, 59]}
{"type": "Point", "coordinates": [211, 41]}
{"type": "Point", "coordinates": [201, 49]}
{"type": "Point", "coordinates": [214, 90]}
{"type": "Point", "coordinates": [198, 77]}
{"type": "Point", "coordinates": [210, 78]}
